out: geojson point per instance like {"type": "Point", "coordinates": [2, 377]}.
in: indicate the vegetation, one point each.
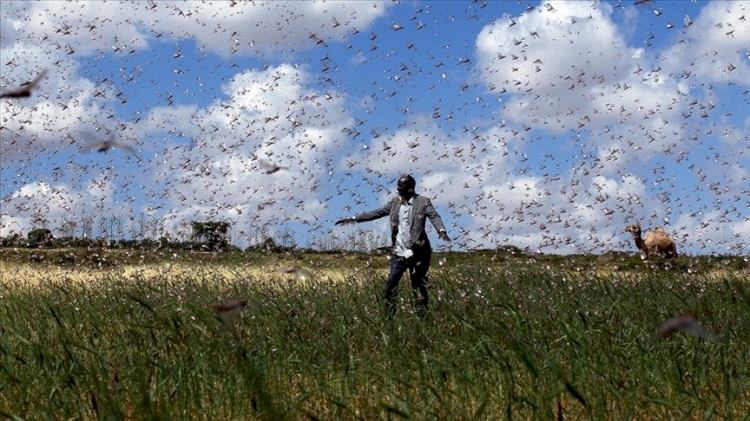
{"type": "Point", "coordinates": [214, 235]}
{"type": "Point", "coordinates": [40, 237]}
{"type": "Point", "coordinates": [131, 334]}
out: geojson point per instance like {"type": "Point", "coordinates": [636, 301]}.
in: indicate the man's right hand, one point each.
{"type": "Point", "coordinates": [349, 220]}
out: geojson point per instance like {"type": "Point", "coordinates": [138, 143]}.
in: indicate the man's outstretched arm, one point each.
{"type": "Point", "coordinates": [367, 216]}
{"type": "Point", "coordinates": [345, 221]}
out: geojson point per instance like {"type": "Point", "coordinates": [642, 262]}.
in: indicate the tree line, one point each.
{"type": "Point", "coordinates": [213, 236]}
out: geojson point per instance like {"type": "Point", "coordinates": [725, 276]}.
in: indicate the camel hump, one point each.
{"type": "Point", "coordinates": [659, 231]}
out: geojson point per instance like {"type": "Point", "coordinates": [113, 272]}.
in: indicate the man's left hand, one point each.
{"type": "Point", "coordinates": [444, 236]}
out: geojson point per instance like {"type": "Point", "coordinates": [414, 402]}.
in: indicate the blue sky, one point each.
{"type": "Point", "coordinates": [545, 125]}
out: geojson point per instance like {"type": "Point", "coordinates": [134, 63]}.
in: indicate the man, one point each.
{"type": "Point", "coordinates": [411, 247]}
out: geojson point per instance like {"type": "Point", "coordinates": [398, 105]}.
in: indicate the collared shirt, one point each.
{"type": "Point", "coordinates": [403, 236]}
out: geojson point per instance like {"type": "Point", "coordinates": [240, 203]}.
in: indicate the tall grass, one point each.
{"type": "Point", "coordinates": [504, 339]}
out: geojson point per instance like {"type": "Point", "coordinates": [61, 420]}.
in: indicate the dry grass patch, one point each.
{"type": "Point", "coordinates": [281, 272]}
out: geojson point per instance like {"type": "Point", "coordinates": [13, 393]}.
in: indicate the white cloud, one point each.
{"type": "Point", "coordinates": [715, 47]}
{"type": "Point", "coordinates": [550, 64]}
{"type": "Point", "coordinates": [246, 28]}
{"type": "Point", "coordinates": [272, 116]}
{"type": "Point", "coordinates": [56, 206]}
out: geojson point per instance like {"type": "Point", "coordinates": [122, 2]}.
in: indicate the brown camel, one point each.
{"type": "Point", "coordinates": [656, 242]}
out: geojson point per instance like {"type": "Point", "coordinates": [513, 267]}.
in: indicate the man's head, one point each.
{"type": "Point", "coordinates": [405, 186]}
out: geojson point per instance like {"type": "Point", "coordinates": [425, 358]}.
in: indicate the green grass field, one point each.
{"type": "Point", "coordinates": [132, 335]}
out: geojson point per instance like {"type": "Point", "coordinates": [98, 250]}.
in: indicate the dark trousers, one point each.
{"type": "Point", "coordinates": [417, 267]}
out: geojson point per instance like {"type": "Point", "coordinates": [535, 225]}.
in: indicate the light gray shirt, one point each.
{"type": "Point", "coordinates": [403, 246]}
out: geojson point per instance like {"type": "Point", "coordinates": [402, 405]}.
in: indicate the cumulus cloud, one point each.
{"type": "Point", "coordinates": [714, 47]}
{"type": "Point", "coordinates": [60, 207]}
{"type": "Point", "coordinates": [270, 116]}
{"type": "Point", "coordinates": [123, 28]}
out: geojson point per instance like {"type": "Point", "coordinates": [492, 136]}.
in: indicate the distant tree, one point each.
{"type": "Point", "coordinates": [102, 226]}
{"type": "Point", "coordinates": [213, 234]}
{"type": "Point", "coordinates": [40, 237]}
{"type": "Point", "coordinates": [146, 227]}
{"type": "Point", "coordinates": [269, 245]}
{"type": "Point", "coordinates": [68, 228]}
{"type": "Point", "coordinates": [113, 227]}
{"type": "Point", "coordinates": [39, 218]}
{"type": "Point", "coordinates": [287, 238]}
{"type": "Point", "coordinates": [87, 227]}
{"type": "Point", "coordinates": [258, 236]}
{"type": "Point", "coordinates": [15, 240]}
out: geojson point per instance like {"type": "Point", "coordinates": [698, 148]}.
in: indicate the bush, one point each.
{"type": "Point", "coordinates": [14, 240]}
{"type": "Point", "coordinates": [40, 237]}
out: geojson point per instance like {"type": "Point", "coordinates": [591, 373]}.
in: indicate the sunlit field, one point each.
{"type": "Point", "coordinates": [131, 335]}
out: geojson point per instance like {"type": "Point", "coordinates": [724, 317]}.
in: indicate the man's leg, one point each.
{"type": "Point", "coordinates": [418, 275]}
{"type": "Point", "coordinates": [398, 267]}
